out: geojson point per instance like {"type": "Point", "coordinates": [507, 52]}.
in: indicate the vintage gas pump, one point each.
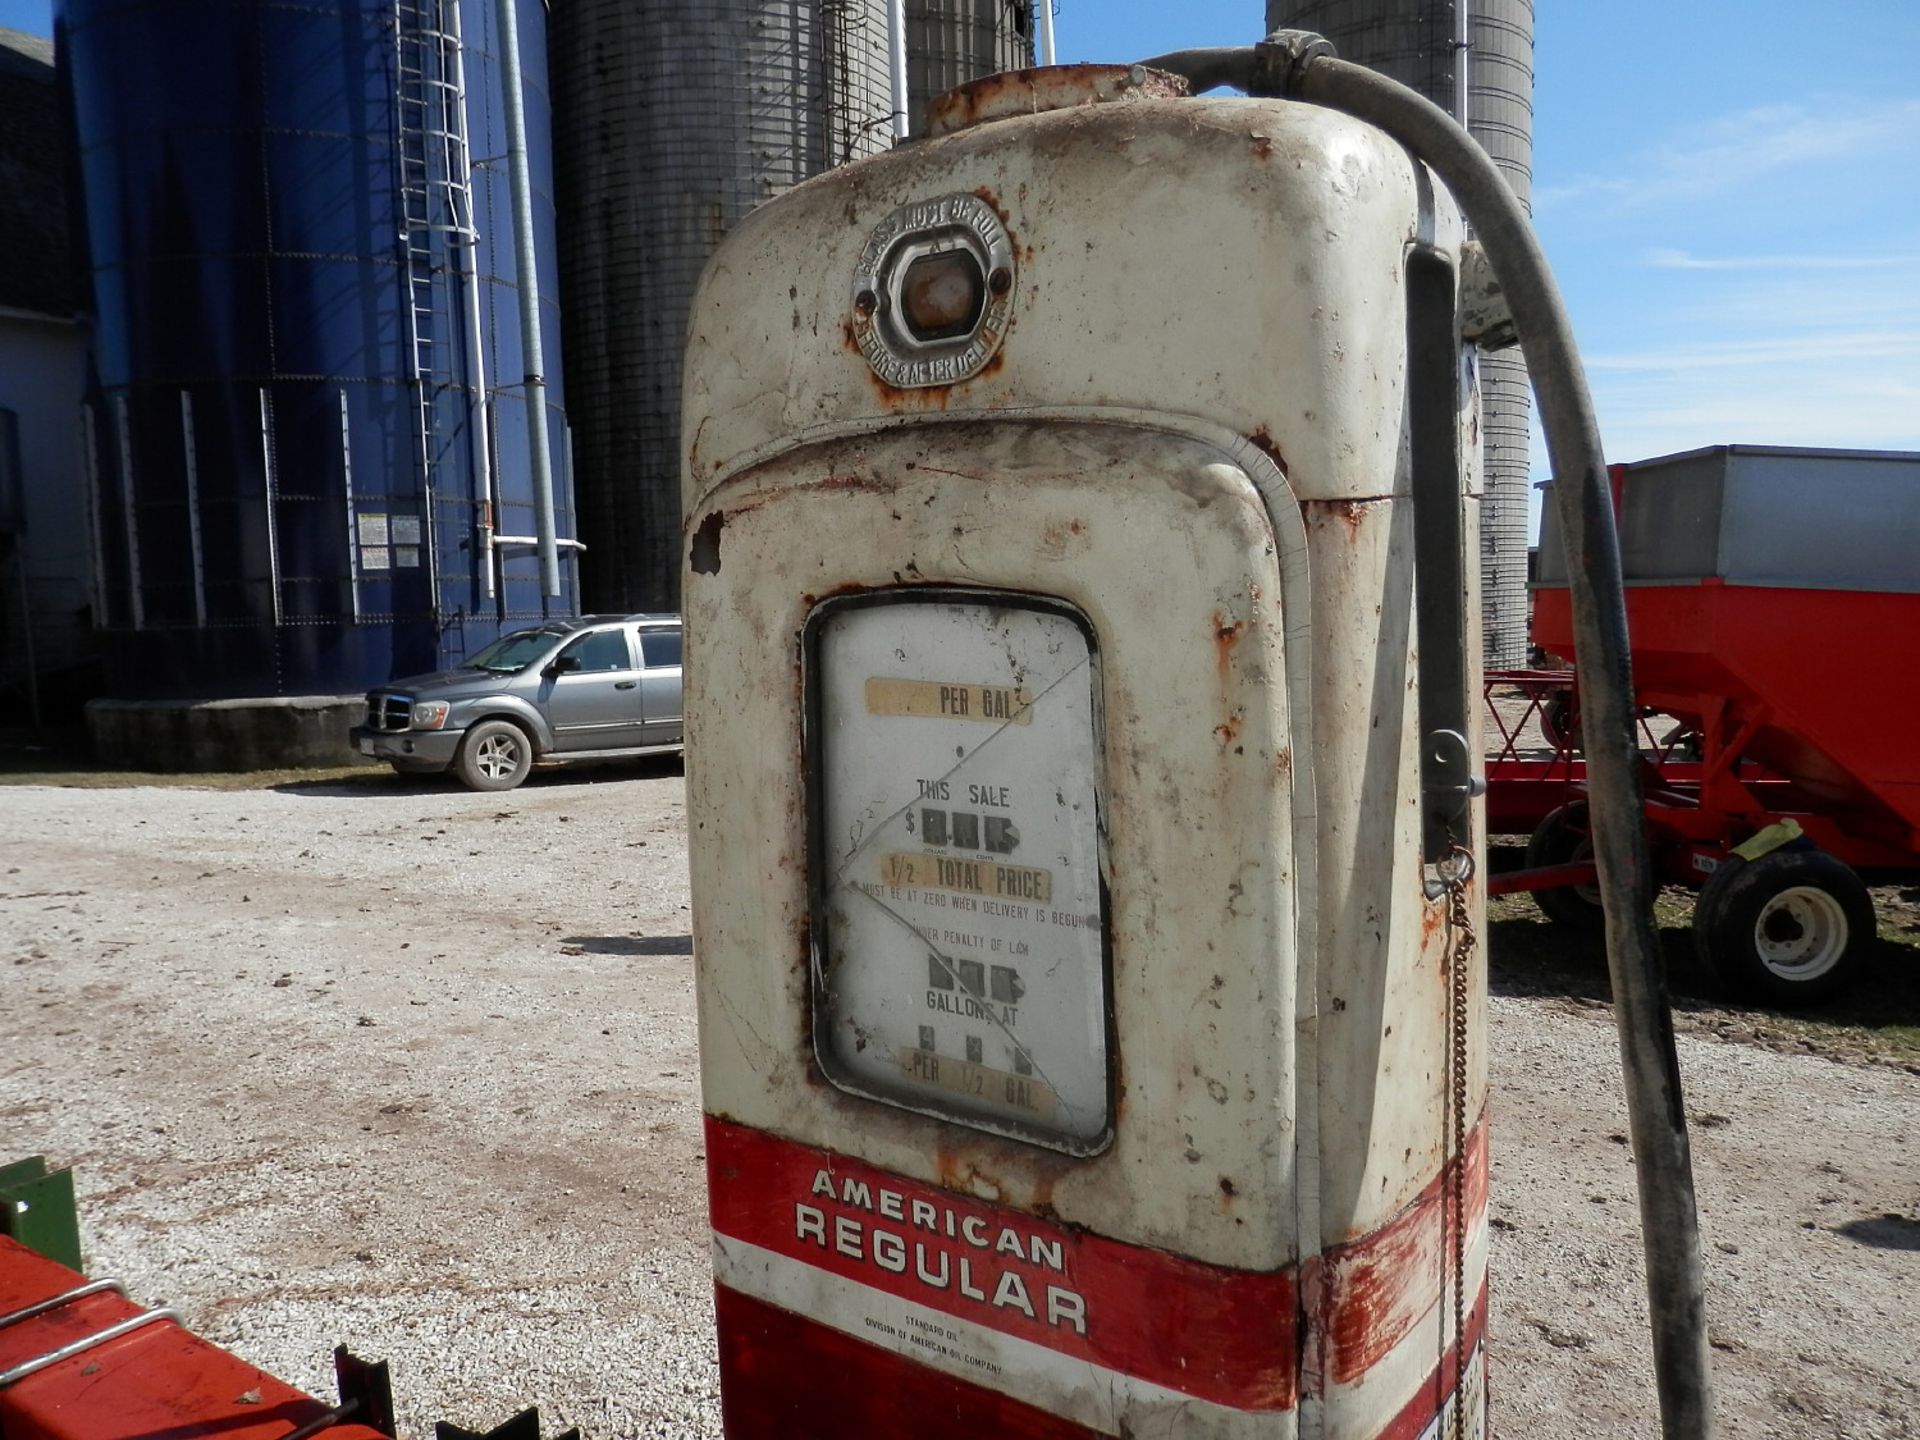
{"type": "Point", "coordinates": [1079, 514]}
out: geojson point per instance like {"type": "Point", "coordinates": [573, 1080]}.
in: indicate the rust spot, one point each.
{"type": "Point", "coordinates": [705, 556]}
{"type": "Point", "coordinates": [1229, 732]}
{"type": "Point", "coordinates": [986, 1172]}
{"type": "Point", "coordinates": [981, 192]}
{"type": "Point", "coordinates": [1283, 762]}
{"type": "Point", "coordinates": [1350, 513]}
{"type": "Point", "coordinates": [1057, 534]}
{"type": "Point", "coordinates": [1012, 93]}
{"type": "Point", "coordinates": [1262, 147]}
{"type": "Point", "coordinates": [1226, 635]}
{"type": "Point", "coordinates": [853, 484]}
{"type": "Point", "coordinates": [1263, 442]}
{"type": "Point", "coordinates": [920, 398]}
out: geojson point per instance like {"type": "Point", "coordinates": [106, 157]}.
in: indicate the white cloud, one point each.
{"type": "Point", "coordinates": [1729, 153]}
{"type": "Point", "coordinates": [1660, 258]}
{"type": "Point", "coordinates": [1765, 351]}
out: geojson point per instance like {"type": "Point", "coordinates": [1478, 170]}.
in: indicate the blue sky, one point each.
{"type": "Point", "coordinates": [1729, 194]}
{"type": "Point", "coordinates": [1729, 191]}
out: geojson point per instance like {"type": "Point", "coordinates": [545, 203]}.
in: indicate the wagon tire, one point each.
{"type": "Point", "coordinates": [496, 755]}
{"type": "Point", "coordinates": [1562, 839]}
{"type": "Point", "coordinates": [1792, 927]}
{"type": "Point", "coordinates": [1560, 721]}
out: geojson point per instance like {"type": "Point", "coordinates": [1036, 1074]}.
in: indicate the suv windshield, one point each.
{"type": "Point", "coordinates": [512, 652]}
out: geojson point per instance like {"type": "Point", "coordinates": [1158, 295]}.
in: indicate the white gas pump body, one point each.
{"type": "Point", "coordinates": [1183, 1165]}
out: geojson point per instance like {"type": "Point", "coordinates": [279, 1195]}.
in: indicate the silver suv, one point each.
{"type": "Point", "coordinates": [586, 689]}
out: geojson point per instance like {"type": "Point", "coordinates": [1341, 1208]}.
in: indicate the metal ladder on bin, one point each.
{"type": "Point", "coordinates": [436, 208]}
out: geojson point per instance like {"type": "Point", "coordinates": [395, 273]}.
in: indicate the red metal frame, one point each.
{"type": "Point", "coordinates": [156, 1381]}
{"type": "Point", "coordinates": [1696, 810]}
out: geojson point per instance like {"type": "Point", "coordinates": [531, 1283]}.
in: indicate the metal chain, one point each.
{"type": "Point", "coordinates": [1454, 873]}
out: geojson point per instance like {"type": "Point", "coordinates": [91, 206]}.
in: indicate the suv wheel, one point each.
{"type": "Point", "coordinates": [496, 755]}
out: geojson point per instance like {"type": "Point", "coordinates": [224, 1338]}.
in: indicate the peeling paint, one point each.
{"type": "Point", "coordinates": [1013, 93]}
{"type": "Point", "coordinates": [704, 557]}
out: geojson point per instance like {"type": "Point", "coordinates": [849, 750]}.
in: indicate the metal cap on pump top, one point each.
{"type": "Point", "coordinates": [1055, 87]}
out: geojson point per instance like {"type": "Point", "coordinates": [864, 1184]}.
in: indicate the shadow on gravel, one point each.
{"type": "Point", "coordinates": [1883, 1232]}
{"type": "Point", "coordinates": [629, 944]}
{"type": "Point", "coordinates": [1527, 955]}
{"type": "Point", "coordinates": [384, 782]}
{"type": "Point", "coordinates": [370, 782]}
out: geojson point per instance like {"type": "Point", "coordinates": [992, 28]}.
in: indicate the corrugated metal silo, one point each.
{"type": "Point", "coordinates": [297, 486]}
{"type": "Point", "coordinates": [950, 42]}
{"type": "Point", "coordinates": [1436, 46]}
{"type": "Point", "coordinates": [672, 122]}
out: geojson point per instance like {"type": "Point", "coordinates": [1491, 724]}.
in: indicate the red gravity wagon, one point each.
{"type": "Point", "coordinates": [1773, 599]}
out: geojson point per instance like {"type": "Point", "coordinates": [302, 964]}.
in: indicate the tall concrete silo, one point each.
{"type": "Point", "coordinates": [671, 123]}
{"type": "Point", "coordinates": [1485, 47]}
{"type": "Point", "coordinates": [950, 42]}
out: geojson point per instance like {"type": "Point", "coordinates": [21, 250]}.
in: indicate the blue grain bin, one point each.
{"type": "Point", "coordinates": [291, 495]}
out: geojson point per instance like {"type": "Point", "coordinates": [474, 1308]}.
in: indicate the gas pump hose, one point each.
{"type": "Point", "coordinates": [1302, 66]}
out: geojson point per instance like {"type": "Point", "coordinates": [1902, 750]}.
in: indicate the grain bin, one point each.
{"type": "Point", "coordinates": [308, 428]}
{"type": "Point", "coordinates": [950, 42]}
{"type": "Point", "coordinates": [671, 124]}
{"type": "Point", "coordinates": [1484, 48]}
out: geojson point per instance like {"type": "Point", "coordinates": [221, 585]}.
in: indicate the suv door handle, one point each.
{"type": "Point", "coordinates": [625, 684]}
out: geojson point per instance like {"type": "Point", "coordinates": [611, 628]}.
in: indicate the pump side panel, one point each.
{"type": "Point", "coordinates": [1166, 550]}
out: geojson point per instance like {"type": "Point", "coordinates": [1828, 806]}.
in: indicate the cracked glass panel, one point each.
{"type": "Point", "coordinates": [960, 965]}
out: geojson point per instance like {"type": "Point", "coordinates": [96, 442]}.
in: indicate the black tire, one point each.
{"type": "Point", "coordinates": [1792, 927]}
{"type": "Point", "coordinates": [1561, 839]}
{"type": "Point", "coordinates": [496, 755]}
{"type": "Point", "coordinates": [1560, 721]}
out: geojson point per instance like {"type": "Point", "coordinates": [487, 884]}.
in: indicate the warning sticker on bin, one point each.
{"type": "Point", "coordinates": [949, 700]}
{"type": "Point", "coordinates": [967, 877]}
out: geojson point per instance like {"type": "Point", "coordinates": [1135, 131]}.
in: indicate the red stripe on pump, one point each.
{"type": "Point", "coordinates": [1203, 1330]}
{"type": "Point", "coordinates": [783, 1377]}
{"type": "Point", "coordinates": [1216, 1333]}
{"type": "Point", "coordinates": [1375, 1289]}
{"type": "Point", "coordinates": [1432, 1397]}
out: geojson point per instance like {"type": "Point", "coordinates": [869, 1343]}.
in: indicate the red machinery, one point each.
{"type": "Point", "coordinates": [1773, 597]}
{"type": "Point", "coordinates": [79, 1359]}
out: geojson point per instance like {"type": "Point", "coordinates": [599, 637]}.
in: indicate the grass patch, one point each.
{"type": "Point", "coordinates": [71, 779]}
{"type": "Point", "coordinates": [27, 761]}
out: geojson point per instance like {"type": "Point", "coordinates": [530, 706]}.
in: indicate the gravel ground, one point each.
{"type": "Point", "coordinates": [413, 1069]}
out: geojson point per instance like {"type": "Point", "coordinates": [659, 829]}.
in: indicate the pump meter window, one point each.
{"type": "Point", "coordinates": [960, 934]}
